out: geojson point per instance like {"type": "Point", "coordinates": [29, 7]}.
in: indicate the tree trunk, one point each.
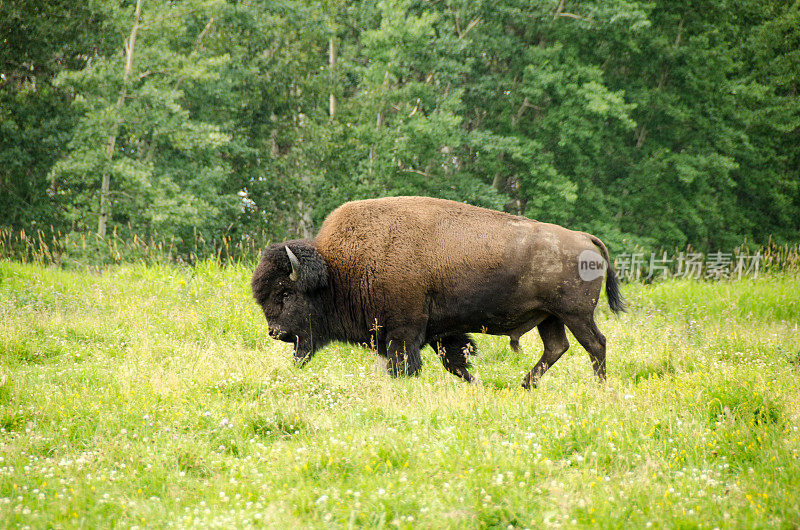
{"type": "Point", "coordinates": [378, 125]}
{"type": "Point", "coordinates": [105, 201]}
{"type": "Point", "coordinates": [305, 224]}
{"type": "Point", "coordinates": [499, 181]}
{"type": "Point", "coordinates": [379, 119]}
{"type": "Point", "coordinates": [641, 132]}
{"type": "Point", "coordinates": [332, 67]}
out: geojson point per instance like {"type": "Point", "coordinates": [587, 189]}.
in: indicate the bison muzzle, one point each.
{"type": "Point", "coordinates": [402, 272]}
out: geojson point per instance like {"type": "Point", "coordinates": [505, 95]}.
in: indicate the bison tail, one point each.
{"type": "Point", "coordinates": [615, 300]}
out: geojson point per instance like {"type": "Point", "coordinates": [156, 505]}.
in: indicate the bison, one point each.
{"type": "Point", "coordinates": [402, 272]}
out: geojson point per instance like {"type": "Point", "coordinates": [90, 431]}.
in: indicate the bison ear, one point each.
{"type": "Point", "coordinates": [311, 270]}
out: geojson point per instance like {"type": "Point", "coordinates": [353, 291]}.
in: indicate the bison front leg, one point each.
{"type": "Point", "coordinates": [454, 352]}
{"type": "Point", "coordinates": [402, 350]}
{"type": "Point", "coordinates": [554, 337]}
{"type": "Point", "coordinates": [382, 361]}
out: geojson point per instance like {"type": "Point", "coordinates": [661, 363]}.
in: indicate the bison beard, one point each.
{"type": "Point", "coordinates": [403, 272]}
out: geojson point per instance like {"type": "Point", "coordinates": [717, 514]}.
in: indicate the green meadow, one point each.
{"type": "Point", "coordinates": [152, 396]}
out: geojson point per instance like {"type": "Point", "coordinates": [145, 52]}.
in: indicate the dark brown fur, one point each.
{"type": "Point", "coordinates": [403, 272]}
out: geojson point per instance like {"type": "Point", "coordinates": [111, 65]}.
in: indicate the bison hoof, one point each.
{"type": "Point", "coordinates": [476, 382]}
{"type": "Point", "coordinates": [300, 362]}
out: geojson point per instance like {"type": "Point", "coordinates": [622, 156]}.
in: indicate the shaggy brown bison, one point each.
{"type": "Point", "coordinates": [402, 272]}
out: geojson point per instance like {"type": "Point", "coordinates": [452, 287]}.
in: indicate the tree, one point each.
{"type": "Point", "coordinates": [36, 118]}
{"type": "Point", "coordinates": [138, 153]}
{"type": "Point", "coordinates": [650, 123]}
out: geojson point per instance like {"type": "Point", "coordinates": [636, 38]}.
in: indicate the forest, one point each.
{"type": "Point", "coordinates": [651, 124]}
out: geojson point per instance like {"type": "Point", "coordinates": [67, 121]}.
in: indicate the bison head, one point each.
{"type": "Point", "coordinates": [288, 284]}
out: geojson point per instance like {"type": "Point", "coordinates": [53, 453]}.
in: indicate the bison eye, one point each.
{"type": "Point", "coordinates": [286, 296]}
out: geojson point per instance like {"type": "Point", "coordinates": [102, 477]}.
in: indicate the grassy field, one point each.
{"type": "Point", "coordinates": [152, 396]}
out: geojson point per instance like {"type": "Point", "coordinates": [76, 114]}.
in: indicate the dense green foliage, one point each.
{"type": "Point", "coordinates": [658, 123]}
{"type": "Point", "coordinates": [152, 396]}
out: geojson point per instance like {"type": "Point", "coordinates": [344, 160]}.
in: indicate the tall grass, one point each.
{"type": "Point", "coordinates": [53, 247]}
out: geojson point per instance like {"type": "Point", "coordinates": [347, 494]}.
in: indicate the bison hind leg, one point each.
{"type": "Point", "coordinates": [584, 328]}
{"type": "Point", "coordinates": [554, 338]}
{"type": "Point", "coordinates": [454, 351]}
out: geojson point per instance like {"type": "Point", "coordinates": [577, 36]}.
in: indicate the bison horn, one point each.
{"type": "Point", "coordinates": [295, 265]}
